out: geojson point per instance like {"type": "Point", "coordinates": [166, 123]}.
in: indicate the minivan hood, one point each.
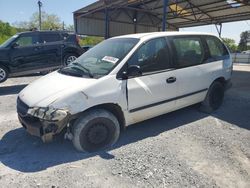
{"type": "Point", "coordinates": [49, 88]}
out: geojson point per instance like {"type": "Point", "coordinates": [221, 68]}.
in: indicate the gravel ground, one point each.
{"type": "Point", "coordinates": [185, 148]}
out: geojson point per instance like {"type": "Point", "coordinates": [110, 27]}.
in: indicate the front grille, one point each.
{"type": "Point", "coordinates": [22, 108]}
{"type": "Point", "coordinates": [31, 124]}
{"type": "Point", "coordinates": [30, 121]}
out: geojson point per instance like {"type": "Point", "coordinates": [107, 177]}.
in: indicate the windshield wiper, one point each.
{"type": "Point", "coordinates": [70, 72]}
{"type": "Point", "coordinates": [84, 68]}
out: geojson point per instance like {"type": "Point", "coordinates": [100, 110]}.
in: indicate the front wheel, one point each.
{"type": "Point", "coordinates": [69, 58]}
{"type": "Point", "coordinates": [95, 130]}
{"type": "Point", "coordinates": [3, 74]}
{"type": "Point", "coordinates": [214, 98]}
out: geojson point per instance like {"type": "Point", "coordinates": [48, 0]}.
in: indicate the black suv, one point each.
{"type": "Point", "coordinates": [37, 51]}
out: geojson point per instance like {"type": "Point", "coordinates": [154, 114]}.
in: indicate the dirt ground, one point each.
{"type": "Point", "coordinates": [185, 148]}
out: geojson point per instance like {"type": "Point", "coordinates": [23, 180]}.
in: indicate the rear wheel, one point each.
{"type": "Point", "coordinates": [3, 74]}
{"type": "Point", "coordinates": [95, 130]}
{"type": "Point", "coordinates": [68, 58]}
{"type": "Point", "coordinates": [214, 98]}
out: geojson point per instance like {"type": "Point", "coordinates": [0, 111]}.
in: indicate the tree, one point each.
{"type": "Point", "coordinates": [70, 28]}
{"type": "Point", "coordinates": [6, 31]}
{"type": "Point", "coordinates": [244, 38]}
{"type": "Point", "coordinates": [49, 21]}
{"type": "Point", "coordinates": [230, 43]}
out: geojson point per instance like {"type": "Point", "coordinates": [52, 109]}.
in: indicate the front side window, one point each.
{"type": "Point", "coordinates": [24, 41]}
{"type": "Point", "coordinates": [216, 48]}
{"type": "Point", "coordinates": [189, 51]}
{"type": "Point", "coordinates": [152, 56]}
{"type": "Point", "coordinates": [101, 59]}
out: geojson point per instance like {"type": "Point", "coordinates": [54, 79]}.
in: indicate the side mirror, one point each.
{"type": "Point", "coordinates": [132, 71]}
{"type": "Point", "coordinates": [14, 45]}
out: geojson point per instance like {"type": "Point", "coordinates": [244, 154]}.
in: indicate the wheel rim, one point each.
{"type": "Point", "coordinates": [97, 134]}
{"type": "Point", "coordinates": [70, 59]}
{"type": "Point", "coordinates": [2, 74]}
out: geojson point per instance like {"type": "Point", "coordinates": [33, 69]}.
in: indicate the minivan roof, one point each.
{"type": "Point", "coordinates": [159, 34]}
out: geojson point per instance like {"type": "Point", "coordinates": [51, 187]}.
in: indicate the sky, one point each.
{"type": "Point", "coordinates": [21, 10]}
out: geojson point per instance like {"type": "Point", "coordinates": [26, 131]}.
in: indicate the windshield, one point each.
{"type": "Point", "coordinates": [101, 59]}
{"type": "Point", "coordinates": [7, 42]}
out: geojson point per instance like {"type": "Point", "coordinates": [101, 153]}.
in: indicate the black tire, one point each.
{"type": "Point", "coordinates": [214, 98]}
{"type": "Point", "coordinates": [68, 58]}
{"type": "Point", "coordinates": [95, 130]}
{"type": "Point", "coordinates": [3, 74]}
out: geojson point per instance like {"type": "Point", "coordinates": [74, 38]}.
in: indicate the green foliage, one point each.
{"type": "Point", "coordinates": [70, 28]}
{"type": "Point", "coordinates": [49, 21]}
{"type": "Point", "coordinates": [6, 31]}
{"type": "Point", "coordinates": [244, 37]}
{"type": "Point", "coordinates": [90, 40]}
{"type": "Point", "coordinates": [230, 43]}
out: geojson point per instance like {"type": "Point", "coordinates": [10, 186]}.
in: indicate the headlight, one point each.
{"type": "Point", "coordinates": [48, 113]}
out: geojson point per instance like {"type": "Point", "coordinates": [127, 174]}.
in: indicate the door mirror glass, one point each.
{"type": "Point", "coordinates": [132, 71]}
{"type": "Point", "coordinates": [14, 45]}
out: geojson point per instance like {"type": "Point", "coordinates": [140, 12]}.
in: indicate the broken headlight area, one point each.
{"type": "Point", "coordinates": [48, 114]}
{"type": "Point", "coordinates": [46, 122]}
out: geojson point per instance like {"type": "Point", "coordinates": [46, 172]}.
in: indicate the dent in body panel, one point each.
{"type": "Point", "coordinates": [99, 93]}
{"type": "Point", "coordinates": [143, 85]}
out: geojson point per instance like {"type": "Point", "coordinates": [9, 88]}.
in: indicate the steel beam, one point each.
{"type": "Point", "coordinates": [219, 29]}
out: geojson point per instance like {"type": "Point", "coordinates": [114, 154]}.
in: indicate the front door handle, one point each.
{"type": "Point", "coordinates": [171, 80]}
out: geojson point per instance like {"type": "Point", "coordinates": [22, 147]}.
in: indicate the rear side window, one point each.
{"type": "Point", "coordinates": [188, 51]}
{"type": "Point", "coordinates": [216, 48]}
{"type": "Point", "coordinates": [50, 37]}
{"type": "Point", "coordinates": [152, 56]}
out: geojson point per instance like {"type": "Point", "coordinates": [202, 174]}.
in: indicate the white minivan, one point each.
{"type": "Point", "coordinates": [125, 80]}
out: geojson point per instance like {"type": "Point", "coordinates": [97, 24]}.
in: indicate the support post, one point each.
{"type": "Point", "coordinates": [165, 6]}
{"type": "Point", "coordinates": [106, 23]}
{"type": "Point", "coordinates": [75, 24]}
{"type": "Point", "coordinates": [219, 30]}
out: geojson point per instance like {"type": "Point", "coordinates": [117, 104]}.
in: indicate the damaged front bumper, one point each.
{"type": "Point", "coordinates": [42, 122]}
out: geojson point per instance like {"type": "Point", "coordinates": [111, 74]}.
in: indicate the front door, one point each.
{"type": "Point", "coordinates": [26, 55]}
{"type": "Point", "coordinates": [153, 93]}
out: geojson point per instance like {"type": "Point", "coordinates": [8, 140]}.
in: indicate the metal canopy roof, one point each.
{"type": "Point", "coordinates": [116, 17]}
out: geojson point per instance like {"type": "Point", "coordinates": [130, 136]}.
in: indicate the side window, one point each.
{"type": "Point", "coordinates": [152, 56]}
{"type": "Point", "coordinates": [189, 51]}
{"type": "Point", "coordinates": [24, 41]}
{"type": "Point", "coordinates": [50, 37]}
{"type": "Point", "coordinates": [216, 48]}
